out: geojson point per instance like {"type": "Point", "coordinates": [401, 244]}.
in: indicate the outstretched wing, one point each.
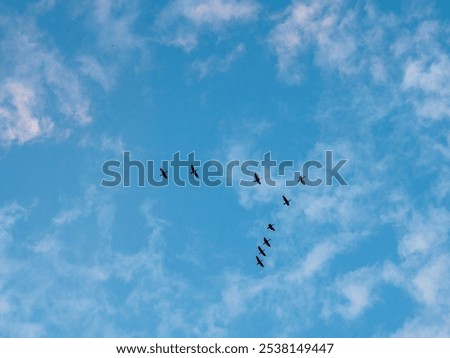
{"type": "Point", "coordinates": [259, 262]}
{"type": "Point", "coordinates": [261, 251]}
{"type": "Point", "coordinates": [257, 178]}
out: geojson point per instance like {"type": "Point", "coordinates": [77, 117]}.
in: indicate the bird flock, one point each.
{"type": "Point", "coordinates": [271, 227]}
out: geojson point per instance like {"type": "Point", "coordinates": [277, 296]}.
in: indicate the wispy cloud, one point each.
{"type": "Point", "coordinates": [355, 293]}
{"type": "Point", "coordinates": [31, 73]}
{"type": "Point", "coordinates": [182, 22]}
{"type": "Point", "coordinates": [237, 147]}
{"type": "Point", "coordinates": [417, 50]}
{"type": "Point", "coordinates": [91, 67]}
{"type": "Point", "coordinates": [80, 270]}
{"type": "Point", "coordinates": [325, 25]}
{"type": "Point", "coordinates": [67, 216]}
{"type": "Point", "coordinates": [66, 275]}
{"type": "Point", "coordinates": [41, 6]}
{"type": "Point", "coordinates": [113, 24]}
{"type": "Point", "coordinates": [425, 77]}
{"type": "Point", "coordinates": [430, 285]}
{"type": "Point", "coordinates": [20, 118]}
{"type": "Point", "coordinates": [216, 64]}
{"type": "Point", "coordinates": [426, 325]}
{"type": "Point", "coordinates": [426, 230]}
{"type": "Point", "coordinates": [105, 143]}
{"type": "Point", "coordinates": [8, 216]}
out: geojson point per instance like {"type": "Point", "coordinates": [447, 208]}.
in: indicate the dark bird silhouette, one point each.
{"type": "Point", "coordinates": [271, 227]}
{"type": "Point", "coordinates": [261, 251]}
{"type": "Point", "coordinates": [286, 201]}
{"type": "Point", "coordinates": [194, 171]}
{"type": "Point", "coordinates": [266, 242]}
{"type": "Point", "coordinates": [259, 262]}
{"type": "Point", "coordinates": [301, 179]}
{"type": "Point", "coordinates": [163, 173]}
{"type": "Point", "coordinates": [257, 179]}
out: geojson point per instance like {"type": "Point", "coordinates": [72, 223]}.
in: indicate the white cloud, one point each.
{"type": "Point", "coordinates": [216, 64]}
{"type": "Point", "coordinates": [33, 74]}
{"type": "Point", "coordinates": [66, 277]}
{"type": "Point", "coordinates": [113, 24]}
{"type": "Point", "coordinates": [426, 325]}
{"type": "Point", "coordinates": [314, 262]}
{"type": "Point", "coordinates": [115, 145]}
{"type": "Point", "coordinates": [240, 294]}
{"type": "Point", "coordinates": [67, 216]}
{"type": "Point", "coordinates": [71, 99]}
{"type": "Point", "coordinates": [442, 189]}
{"type": "Point", "coordinates": [93, 202]}
{"type": "Point", "coordinates": [430, 284]}
{"type": "Point", "coordinates": [101, 74]}
{"type": "Point", "coordinates": [355, 41]}
{"type": "Point", "coordinates": [47, 244]}
{"type": "Point", "coordinates": [8, 216]}
{"type": "Point", "coordinates": [237, 147]}
{"type": "Point", "coordinates": [357, 291]}
{"type": "Point", "coordinates": [42, 6]}
{"type": "Point", "coordinates": [323, 25]}
{"type": "Point", "coordinates": [378, 70]}
{"type": "Point", "coordinates": [430, 76]}
{"type": "Point", "coordinates": [216, 11]}
{"type": "Point", "coordinates": [426, 231]}
{"type": "Point", "coordinates": [20, 120]}
{"type": "Point", "coordinates": [181, 22]}
{"type": "Point", "coordinates": [424, 265]}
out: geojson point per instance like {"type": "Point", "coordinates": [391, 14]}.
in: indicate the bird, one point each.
{"type": "Point", "coordinates": [286, 201]}
{"type": "Point", "coordinates": [261, 251]}
{"type": "Point", "coordinates": [194, 171]}
{"type": "Point", "coordinates": [301, 179]}
{"type": "Point", "coordinates": [163, 173]}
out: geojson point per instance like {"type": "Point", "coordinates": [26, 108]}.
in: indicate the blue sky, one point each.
{"type": "Point", "coordinates": [82, 82]}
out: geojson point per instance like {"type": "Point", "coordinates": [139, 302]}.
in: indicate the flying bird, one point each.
{"type": "Point", "coordinates": [266, 242]}
{"type": "Point", "coordinates": [286, 201]}
{"type": "Point", "coordinates": [194, 171]}
{"type": "Point", "coordinates": [259, 262]}
{"type": "Point", "coordinates": [271, 227]}
{"type": "Point", "coordinates": [301, 179]}
{"type": "Point", "coordinates": [163, 173]}
{"type": "Point", "coordinates": [261, 251]}
{"type": "Point", "coordinates": [257, 179]}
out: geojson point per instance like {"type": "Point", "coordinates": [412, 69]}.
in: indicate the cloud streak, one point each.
{"type": "Point", "coordinates": [214, 63]}
{"type": "Point", "coordinates": [181, 23]}
{"type": "Point", "coordinates": [32, 75]}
